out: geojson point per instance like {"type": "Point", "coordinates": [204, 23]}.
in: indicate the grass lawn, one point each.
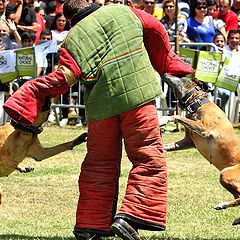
{"type": "Point", "coordinates": [41, 204]}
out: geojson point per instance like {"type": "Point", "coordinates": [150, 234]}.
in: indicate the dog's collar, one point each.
{"type": "Point", "coordinates": [193, 107]}
{"type": "Point", "coordinates": [183, 101]}
{"type": "Point", "coordinates": [30, 129]}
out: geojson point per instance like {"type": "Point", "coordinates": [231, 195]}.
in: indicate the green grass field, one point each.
{"type": "Point", "coordinates": [41, 204]}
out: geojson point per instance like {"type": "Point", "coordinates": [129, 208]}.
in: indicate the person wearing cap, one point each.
{"type": "Point", "coordinates": [113, 51]}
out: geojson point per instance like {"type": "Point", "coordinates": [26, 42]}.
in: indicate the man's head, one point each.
{"type": "Point", "coordinates": [224, 6]}
{"type": "Point", "coordinates": [149, 5]}
{"type": "Point", "coordinates": [28, 38]}
{"type": "Point", "coordinates": [4, 29]}
{"type": "Point", "coordinates": [46, 35]}
{"type": "Point", "coordinates": [135, 3]}
{"type": "Point", "coordinates": [233, 39]}
{"type": "Point", "coordinates": [71, 7]}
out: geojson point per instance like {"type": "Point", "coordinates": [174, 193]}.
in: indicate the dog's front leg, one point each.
{"type": "Point", "coordinates": [184, 143]}
{"type": "Point", "coordinates": [194, 126]}
{"type": "Point", "coordinates": [38, 152]}
{"type": "Point", "coordinates": [230, 180]}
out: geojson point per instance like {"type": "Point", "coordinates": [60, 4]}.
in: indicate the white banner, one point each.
{"type": "Point", "coordinates": [42, 50]}
{"type": "Point", "coordinates": [7, 61]}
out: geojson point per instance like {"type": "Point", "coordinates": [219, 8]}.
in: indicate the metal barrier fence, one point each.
{"type": "Point", "coordinates": [165, 104]}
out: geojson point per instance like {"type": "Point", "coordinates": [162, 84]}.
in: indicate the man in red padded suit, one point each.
{"type": "Point", "coordinates": [112, 50]}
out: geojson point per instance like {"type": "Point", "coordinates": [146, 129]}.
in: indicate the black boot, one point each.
{"type": "Point", "coordinates": [124, 230]}
{"type": "Point", "coordinates": [86, 236]}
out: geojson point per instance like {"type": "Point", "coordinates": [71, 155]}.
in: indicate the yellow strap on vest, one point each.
{"type": "Point", "coordinates": [68, 74]}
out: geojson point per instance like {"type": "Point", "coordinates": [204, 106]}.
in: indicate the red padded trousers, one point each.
{"type": "Point", "coordinates": [146, 194]}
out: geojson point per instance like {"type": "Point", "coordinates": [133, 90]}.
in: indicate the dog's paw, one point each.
{"type": "Point", "coordinates": [221, 206]}
{"type": "Point", "coordinates": [169, 147]}
{"type": "Point", "coordinates": [25, 169]}
{"type": "Point", "coordinates": [82, 138]}
{"type": "Point", "coordinates": [165, 120]}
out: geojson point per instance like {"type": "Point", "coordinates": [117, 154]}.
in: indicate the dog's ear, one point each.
{"type": "Point", "coordinates": [203, 85]}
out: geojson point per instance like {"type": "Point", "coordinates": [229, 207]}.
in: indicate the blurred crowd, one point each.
{"type": "Point", "coordinates": [25, 23]}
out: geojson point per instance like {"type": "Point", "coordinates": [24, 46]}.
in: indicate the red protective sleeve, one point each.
{"type": "Point", "coordinates": [26, 103]}
{"type": "Point", "coordinates": [156, 41]}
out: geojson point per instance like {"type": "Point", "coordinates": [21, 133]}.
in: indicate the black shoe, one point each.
{"type": "Point", "coordinates": [122, 229]}
{"type": "Point", "coordinates": [86, 236]}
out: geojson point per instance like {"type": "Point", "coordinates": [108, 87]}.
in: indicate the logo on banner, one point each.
{"type": "Point", "coordinates": [207, 65]}
{"type": "Point", "coordinates": [24, 59]}
{"type": "Point", "coordinates": [3, 61]}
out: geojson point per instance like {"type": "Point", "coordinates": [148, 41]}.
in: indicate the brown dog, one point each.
{"type": "Point", "coordinates": [209, 130]}
{"type": "Point", "coordinates": [18, 142]}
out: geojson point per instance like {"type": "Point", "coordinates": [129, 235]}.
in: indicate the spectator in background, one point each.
{"type": "Point", "coordinates": [6, 43]}
{"type": "Point", "coordinates": [3, 5]}
{"type": "Point", "coordinates": [236, 6]}
{"type": "Point", "coordinates": [218, 23]}
{"type": "Point", "coordinates": [150, 6]}
{"type": "Point", "coordinates": [168, 21]}
{"type": "Point", "coordinates": [50, 14]}
{"type": "Point", "coordinates": [15, 7]}
{"type": "Point", "coordinates": [231, 48]}
{"type": "Point", "coordinates": [46, 35]}
{"type": "Point", "coordinates": [135, 4]}
{"type": "Point", "coordinates": [25, 16]}
{"type": "Point", "coordinates": [28, 38]}
{"type": "Point", "coordinates": [200, 26]}
{"type": "Point", "coordinates": [60, 27]}
{"type": "Point", "coordinates": [229, 17]}
{"type": "Point", "coordinates": [13, 33]}
{"type": "Point", "coordinates": [52, 59]}
{"type": "Point", "coordinates": [233, 40]}
{"type": "Point", "coordinates": [59, 6]}
{"type": "Point", "coordinates": [184, 8]}
{"type": "Point", "coordinates": [222, 94]}
{"type": "Point", "coordinates": [40, 20]}
{"type": "Point", "coordinates": [219, 40]}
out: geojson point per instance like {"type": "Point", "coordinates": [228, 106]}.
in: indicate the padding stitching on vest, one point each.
{"type": "Point", "coordinates": [114, 60]}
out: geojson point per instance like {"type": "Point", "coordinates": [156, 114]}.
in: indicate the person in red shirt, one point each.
{"type": "Point", "coordinates": [59, 5]}
{"type": "Point", "coordinates": [227, 15]}
{"type": "Point", "coordinates": [40, 21]}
